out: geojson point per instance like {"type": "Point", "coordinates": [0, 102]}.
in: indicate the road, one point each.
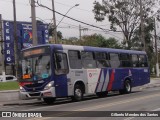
{"type": "Point", "coordinates": [146, 99]}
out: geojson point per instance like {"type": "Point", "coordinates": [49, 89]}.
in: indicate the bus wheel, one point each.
{"type": "Point", "coordinates": [78, 93]}
{"type": "Point", "coordinates": [102, 94]}
{"type": "Point", "coordinates": [49, 101]}
{"type": "Point", "coordinates": [127, 88]}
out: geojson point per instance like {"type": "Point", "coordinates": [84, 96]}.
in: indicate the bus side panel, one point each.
{"type": "Point", "coordinates": [107, 72]}
{"type": "Point", "coordinates": [76, 75]}
{"type": "Point", "coordinates": [120, 75]}
{"type": "Point", "coordinates": [136, 77]}
{"type": "Point", "coordinates": [61, 86]}
{"type": "Point", "coordinates": [94, 78]}
{"type": "Point", "coordinates": [144, 76]}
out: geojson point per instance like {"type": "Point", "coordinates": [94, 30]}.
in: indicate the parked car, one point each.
{"type": "Point", "coordinates": [8, 78]}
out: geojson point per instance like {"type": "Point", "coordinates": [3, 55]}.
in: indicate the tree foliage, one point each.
{"type": "Point", "coordinates": [59, 33]}
{"type": "Point", "coordinates": [124, 15]}
{"type": "Point", "coordinates": [95, 40]}
{"type": "Point", "coordinates": [98, 40]}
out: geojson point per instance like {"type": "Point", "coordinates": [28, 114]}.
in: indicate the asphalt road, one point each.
{"type": "Point", "coordinates": [146, 99]}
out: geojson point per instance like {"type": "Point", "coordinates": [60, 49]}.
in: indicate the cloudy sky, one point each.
{"type": "Point", "coordinates": [69, 28]}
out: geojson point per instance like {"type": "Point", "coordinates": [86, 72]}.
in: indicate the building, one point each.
{"type": "Point", "coordinates": [24, 36]}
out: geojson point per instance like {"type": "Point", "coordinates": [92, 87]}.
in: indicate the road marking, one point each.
{"type": "Point", "coordinates": [158, 109]}
{"type": "Point", "coordinates": [102, 106]}
{"type": "Point", "coordinates": [129, 118]}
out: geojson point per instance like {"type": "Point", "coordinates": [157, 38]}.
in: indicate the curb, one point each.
{"type": "Point", "coordinates": [154, 78]}
{"type": "Point", "coordinates": [8, 91]}
{"type": "Point", "coordinates": [150, 86]}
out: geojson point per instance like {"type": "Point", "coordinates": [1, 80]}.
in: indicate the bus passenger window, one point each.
{"type": "Point", "coordinates": [143, 61]}
{"type": "Point", "coordinates": [88, 60]}
{"type": "Point", "coordinates": [75, 59]}
{"type": "Point", "coordinates": [101, 59]}
{"type": "Point", "coordinates": [134, 59]}
{"type": "Point", "coordinates": [61, 64]}
{"type": "Point", "coordinates": [114, 60]}
{"type": "Point", "coordinates": [125, 60]}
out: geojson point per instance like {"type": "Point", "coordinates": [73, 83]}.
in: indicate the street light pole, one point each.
{"type": "Point", "coordinates": [15, 40]}
{"type": "Point", "coordinates": [54, 34]}
{"type": "Point", "coordinates": [67, 13]}
{"type": "Point", "coordinates": [54, 20]}
{"type": "Point", "coordinates": [34, 23]}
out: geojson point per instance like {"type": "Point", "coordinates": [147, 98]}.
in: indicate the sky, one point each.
{"type": "Point", "coordinates": [69, 28]}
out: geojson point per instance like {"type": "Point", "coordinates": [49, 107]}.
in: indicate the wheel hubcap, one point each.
{"type": "Point", "coordinates": [78, 92]}
{"type": "Point", "coordinates": [128, 87]}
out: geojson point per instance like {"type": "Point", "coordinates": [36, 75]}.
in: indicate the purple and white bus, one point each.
{"type": "Point", "coordinates": [54, 70]}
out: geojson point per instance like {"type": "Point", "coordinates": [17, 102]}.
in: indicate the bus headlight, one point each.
{"type": "Point", "coordinates": [22, 89]}
{"type": "Point", "coordinates": [49, 85]}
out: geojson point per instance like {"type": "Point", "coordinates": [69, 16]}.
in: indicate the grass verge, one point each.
{"type": "Point", "coordinates": [9, 85]}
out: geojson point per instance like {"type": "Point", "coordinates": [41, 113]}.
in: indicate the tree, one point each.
{"type": "Point", "coordinates": [73, 38]}
{"type": "Point", "coordinates": [136, 45]}
{"type": "Point", "coordinates": [124, 15]}
{"type": "Point", "coordinates": [98, 40]}
{"type": "Point", "coordinates": [59, 33]}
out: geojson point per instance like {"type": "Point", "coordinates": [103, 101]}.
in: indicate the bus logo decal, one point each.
{"type": "Point", "coordinates": [90, 74]}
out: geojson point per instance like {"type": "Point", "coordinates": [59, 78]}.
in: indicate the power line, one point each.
{"type": "Point", "coordinates": [71, 6]}
{"type": "Point", "coordinates": [69, 27]}
{"type": "Point", "coordinates": [106, 30]}
{"type": "Point", "coordinates": [9, 1]}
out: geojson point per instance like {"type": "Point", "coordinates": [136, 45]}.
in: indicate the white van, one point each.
{"type": "Point", "coordinates": [8, 78]}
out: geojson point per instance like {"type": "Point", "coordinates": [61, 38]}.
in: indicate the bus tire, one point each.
{"type": "Point", "coordinates": [49, 101]}
{"type": "Point", "coordinates": [127, 88]}
{"type": "Point", "coordinates": [102, 94]}
{"type": "Point", "coordinates": [78, 93]}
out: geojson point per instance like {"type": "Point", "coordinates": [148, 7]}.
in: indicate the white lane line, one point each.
{"type": "Point", "coordinates": [158, 109]}
{"type": "Point", "coordinates": [129, 118]}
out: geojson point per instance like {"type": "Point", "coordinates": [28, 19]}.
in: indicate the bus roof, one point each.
{"type": "Point", "coordinates": [89, 48]}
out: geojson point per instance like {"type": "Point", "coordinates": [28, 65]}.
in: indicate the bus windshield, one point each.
{"type": "Point", "coordinates": [36, 68]}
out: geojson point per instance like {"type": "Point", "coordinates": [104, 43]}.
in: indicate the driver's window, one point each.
{"type": "Point", "coordinates": [61, 64]}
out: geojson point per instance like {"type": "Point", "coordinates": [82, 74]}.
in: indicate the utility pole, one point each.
{"type": "Point", "coordinates": [54, 34]}
{"type": "Point", "coordinates": [142, 26]}
{"type": "Point", "coordinates": [155, 35]}
{"type": "Point", "coordinates": [34, 23]}
{"type": "Point", "coordinates": [80, 35]}
{"type": "Point", "coordinates": [2, 49]}
{"type": "Point", "coordinates": [15, 40]}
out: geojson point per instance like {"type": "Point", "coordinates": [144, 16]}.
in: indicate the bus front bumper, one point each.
{"type": "Point", "coordinates": [40, 94]}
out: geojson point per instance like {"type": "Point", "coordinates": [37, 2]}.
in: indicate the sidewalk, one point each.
{"type": "Point", "coordinates": [155, 82]}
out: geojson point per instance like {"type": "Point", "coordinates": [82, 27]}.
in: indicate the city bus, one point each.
{"type": "Point", "coordinates": [54, 70]}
